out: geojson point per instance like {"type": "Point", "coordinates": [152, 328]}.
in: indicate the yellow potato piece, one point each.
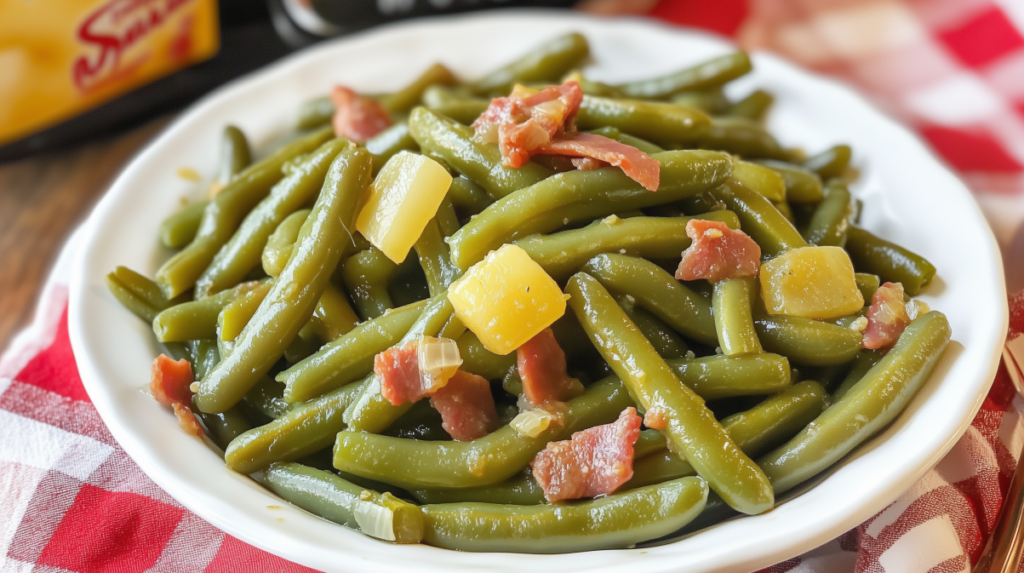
{"type": "Point", "coordinates": [506, 299]}
{"type": "Point", "coordinates": [811, 282]}
{"type": "Point", "coordinates": [402, 200]}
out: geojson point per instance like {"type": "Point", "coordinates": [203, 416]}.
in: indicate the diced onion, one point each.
{"type": "Point", "coordinates": [916, 308]}
{"type": "Point", "coordinates": [438, 359]}
{"type": "Point", "coordinates": [532, 423]}
{"type": "Point", "coordinates": [859, 324]}
{"type": "Point", "coordinates": [375, 520]}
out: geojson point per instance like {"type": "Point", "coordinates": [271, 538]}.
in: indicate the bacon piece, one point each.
{"type": "Point", "coordinates": [170, 380]}
{"type": "Point", "coordinates": [466, 406]}
{"type": "Point", "coordinates": [596, 461]}
{"type": "Point", "coordinates": [541, 365]}
{"type": "Point", "coordinates": [655, 418]}
{"type": "Point", "coordinates": [526, 120]}
{"type": "Point", "coordinates": [718, 253]}
{"type": "Point", "coordinates": [636, 164]}
{"type": "Point", "coordinates": [887, 317]}
{"type": "Point", "coordinates": [187, 420]}
{"type": "Point", "coordinates": [398, 371]}
{"type": "Point", "coordinates": [355, 117]}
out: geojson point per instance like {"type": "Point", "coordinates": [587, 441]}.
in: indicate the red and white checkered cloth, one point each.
{"type": "Point", "coordinates": [71, 500]}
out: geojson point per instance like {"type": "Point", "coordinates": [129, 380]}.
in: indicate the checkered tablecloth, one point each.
{"type": "Point", "coordinates": [71, 500]}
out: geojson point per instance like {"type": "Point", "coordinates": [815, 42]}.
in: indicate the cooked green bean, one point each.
{"type": "Point", "coordinates": [712, 101]}
{"type": "Point", "coordinates": [583, 195]}
{"type": "Point", "coordinates": [467, 196]}
{"type": "Point", "coordinates": [464, 112]}
{"type": "Point", "coordinates": [759, 219]}
{"type": "Point", "coordinates": [653, 121]}
{"type": "Point", "coordinates": [709, 74]}
{"type": "Point", "coordinates": [545, 63]}
{"type": "Point", "coordinates": [223, 215]}
{"type": "Point", "coordinates": [865, 360]}
{"type": "Point", "coordinates": [807, 341]}
{"type": "Point", "coordinates": [494, 458]}
{"type": "Point", "coordinates": [204, 356]}
{"type": "Point", "coordinates": [293, 298]}
{"type": "Point", "coordinates": [868, 284]}
{"type": "Point", "coordinates": [616, 134]}
{"type": "Point", "coordinates": [338, 500]}
{"type": "Point", "coordinates": [421, 422]}
{"type": "Point", "coordinates": [366, 275]}
{"type": "Point", "coordinates": [870, 405]}
{"type": "Point", "coordinates": [234, 154]}
{"type": "Point", "coordinates": [753, 107]}
{"type": "Point", "coordinates": [891, 262]}
{"type": "Point", "coordinates": [237, 313]}
{"type": "Point", "coordinates": [690, 426]}
{"type": "Point", "coordinates": [734, 323]}
{"type": "Point", "coordinates": [137, 293]}
{"type": "Point", "coordinates": [180, 228]}
{"type": "Point", "coordinates": [802, 184]}
{"type": "Point", "coordinates": [655, 290]}
{"type": "Point", "coordinates": [333, 316]}
{"type": "Point", "coordinates": [437, 95]}
{"type": "Point", "coordinates": [281, 242]}
{"type": "Point", "coordinates": [665, 340]}
{"type": "Point", "coordinates": [371, 411]}
{"type": "Point", "coordinates": [242, 253]}
{"type": "Point", "coordinates": [738, 136]}
{"type": "Point", "coordinates": [348, 358]}
{"type": "Point", "coordinates": [830, 163]}
{"type": "Point", "coordinates": [302, 430]}
{"type": "Point", "coordinates": [482, 362]}
{"type": "Point", "coordinates": [562, 254]}
{"type": "Point", "coordinates": [226, 426]}
{"type": "Point", "coordinates": [756, 431]}
{"type": "Point", "coordinates": [616, 521]}
{"type": "Point", "coordinates": [521, 489]}
{"type": "Point", "coordinates": [454, 143]}
{"type": "Point", "coordinates": [435, 257]}
{"type": "Point", "coordinates": [315, 113]}
{"type": "Point", "coordinates": [831, 220]}
{"type": "Point", "coordinates": [196, 319]}
{"type": "Point", "coordinates": [388, 143]}
{"type": "Point", "coordinates": [408, 97]}
{"type": "Point", "coordinates": [265, 397]}
{"type": "Point", "coordinates": [716, 377]}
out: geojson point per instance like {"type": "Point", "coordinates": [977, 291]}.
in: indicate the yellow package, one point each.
{"type": "Point", "coordinates": [59, 58]}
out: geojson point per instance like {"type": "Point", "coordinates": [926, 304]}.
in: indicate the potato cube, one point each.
{"type": "Point", "coordinates": [506, 299]}
{"type": "Point", "coordinates": [811, 282]}
{"type": "Point", "coordinates": [402, 200]}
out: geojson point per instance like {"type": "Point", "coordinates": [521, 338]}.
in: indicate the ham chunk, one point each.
{"type": "Point", "coordinates": [596, 461]}
{"type": "Point", "coordinates": [636, 164]}
{"type": "Point", "coordinates": [887, 317]}
{"type": "Point", "coordinates": [466, 406]}
{"type": "Point", "coordinates": [526, 120]}
{"type": "Point", "coordinates": [541, 365]}
{"type": "Point", "coordinates": [417, 369]}
{"type": "Point", "coordinates": [718, 253]}
{"type": "Point", "coordinates": [356, 117]}
{"type": "Point", "coordinates": [169, 384]}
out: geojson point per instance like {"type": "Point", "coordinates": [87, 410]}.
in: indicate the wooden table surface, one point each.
{"type": "Point", "coordinates": [42, 200]}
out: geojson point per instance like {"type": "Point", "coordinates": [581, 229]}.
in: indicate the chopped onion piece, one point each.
{"type": "Point", "coordinates": [375, 520]}
{"type": "Point", "coordinates": [916, 308]}
{"type": "Point", "coordinates": [532, 422]}
{"type": "Point", "coordinates": [438, 359]}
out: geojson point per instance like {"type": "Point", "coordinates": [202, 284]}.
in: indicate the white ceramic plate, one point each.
{"type": "Point", "coordinates": [908, 196]}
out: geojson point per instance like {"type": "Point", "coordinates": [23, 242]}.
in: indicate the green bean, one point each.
{"type": "Point", "coordinates": [437, 95]}
{"type": "Point", "coordinates": [865, 360]}
{"type": "Point", "coordinates": [234, 154]}
{"type": "Point", "coordinates": [653, 121]}
{"type": "Point", "coordinates": [522, 489]}
{"type": "Point", "coordinates": [408, 97]}
{"type": "Point", "coordinates": [759, 219]}
{"type": "Point", "coordinates": [482, 362]}
{"type": "Point", "coordinates": [302, 430]}
{"type": "Point", "coordinates": [830, 163]}
{"type": "Point", "coordinates": [545, 63]}
{"type": "Point", "coordinates": [807, 341]}
{"type": "Point", "coordinates": [562, 254]}
{"type": "Point", "coordinates": [421, 422]}
{"type": "Point", "coordinates": [891, 262]}
{"type": "Point", "coordinates": [265, 397]}
{"type": "Point", "coordinates": [296, 292]}
{"type": "Point", "coordinates": [786, 211]}
{"type": "Point", "coordinates": [753, 107]}
{"type": "Point", "coordinates": [366, 275]}
{"type": "Point", "coordinates": [371, 411]}
{"type": "Point", "coordinates": [226, 426]}
{"type": "Point", "coordinates": [180, 228]}
{"type": "Point", "coordinates": [738, 136]}
{"type": "Point", "coordinates": [282, 241]}
{"type": "Point", "coordinates": [455, 144]}
{"type": "Point", "coordinates": [711, 101]}
{"type": "Point", "coordinates": [665, 340]}
{"type": "Point", "coordinates": [333, 316]}
{"type": "Point", "coordinates": [494, 458]}
{"type": "Point", "coordinates": [690, 426]}
{"type": "Point", "coordinates": [338, 500]}
{"type": "Point", "coordinates": [583, 195]}
{"type": "Point", "coordinates": [709, 74]}
{"type": "Point", "coordinates": [303, 345]}
{"type": "Point", "coordinates": [868, 284]}
{"type": "Point", "coordinates": [467, 196]}
{"type": "Point", "coordinates": [641, 144]}
{"type": "Point", "coordinates": [196, 319]}
{"type": "Point", "coordinates": [760, 180]}
{"type": "Point", "coordinates": [137, 293]}
{"type": "Point", "coordinates": [731, 305]}
{"type": "Point", "coordinates": [315, 113]}
{"type": "Point", "coordinates": [657, 292]}
{"type": "Point", "coordinates": [349, 357]}
{"type": "Point", "coordinates": [223, 215]}
{"type": "Point", "coordinates": [831, 220]}
{"type": "Point", "coordinates": [203, 355]}
{"type": "Point", "coordinates": [802, 184]}
{"type": "Point", "coordinates": [388, 143]}
{"type": "Point", "coordinates": [870, 405]}
{"type": "Point", "coordinates": [616, 521]}
{"type": "Point", "coordinates": [464, 112]}
{"type": "Point", "coordinates": [756, 431]}
{"type": "Point", "coordinates": [717, 377]}
{"type": "Point", "coordinates": [237, 313]}
{"type": "Point", "coordinates": [243, 252]}
{"type": "Point", "coordinates": [435, 257]}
